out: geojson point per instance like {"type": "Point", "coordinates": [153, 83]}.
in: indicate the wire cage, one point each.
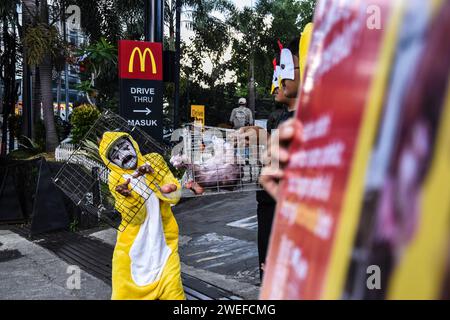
{"type": "Point", "coordinates": [90, 181]}
{"type": "Point", "coordinates": [218, 160]}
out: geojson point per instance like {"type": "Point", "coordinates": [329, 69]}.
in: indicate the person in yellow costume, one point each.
{"type": "Point", "coordinates": [146, 263]}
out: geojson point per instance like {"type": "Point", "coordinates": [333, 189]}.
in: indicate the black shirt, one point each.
{"type": "Point", "coordinates": [279, 117]}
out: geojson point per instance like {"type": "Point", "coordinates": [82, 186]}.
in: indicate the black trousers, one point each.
{"type": "Point", "coordinates": [265, 213]}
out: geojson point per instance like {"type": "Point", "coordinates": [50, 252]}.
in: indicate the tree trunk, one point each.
{"type": "Point", "coordinates": [45, 77]}
{"type": "Point", "coordinates": [9, 80]}
{"type": "Point", "coordinates": [36, 100]}
{"type": "Point", "coordinates": [14, 88]}
{"type": "Point", "coordinates": [4, 135]}
{"type": "Point", "coordinates": [28, 8]}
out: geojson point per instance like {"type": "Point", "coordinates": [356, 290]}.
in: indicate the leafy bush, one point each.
{"type": "Point", "coordinates": [62, 128]}
{"type": "Point", "coordinates": [91, 149]}
{"type": "Point", "coordinates": [29, 145]}
{"type": "Point", "coordinates": [42, 39]}
{"type": "Point", "coordinates": [82, 119]}
{"type": "Point", "coordinates": [39, 136]}
{"type": "Point", "coordinates": [27, 149]}
{"type": "Point", "coordinates": [15, 123]}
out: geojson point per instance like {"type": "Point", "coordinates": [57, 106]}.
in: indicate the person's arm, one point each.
{"type": "Point", "coordinates": [232, 117]}
{"type": "Point", "coordinates": [168, 188]}
{"type": "Point", "coordinates": [250, 116]}
{"type": "Point", "coordinates": [253, 133]}
{"type": "Point", "coordinates": [277, 156]}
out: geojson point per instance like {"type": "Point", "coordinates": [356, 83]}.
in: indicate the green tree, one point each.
{"type": "Point", "coordinates": [100, 62]}
{"type": "Point", "coordinates": [260, 29]}
{"type": "Point", "coordinates": [204, 63]}
{"type": "Point", "coordinates": [252, 34]}
{"type": "Point", "coordinates": [104, 22]}
{"type": "Point", "coordinates": [8, 54]}
{"type": "Point", "coordinates": [44, 47]}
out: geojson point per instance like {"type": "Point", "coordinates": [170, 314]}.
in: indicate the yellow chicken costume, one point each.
{"type": "Point", "coordinates": [146, 264]}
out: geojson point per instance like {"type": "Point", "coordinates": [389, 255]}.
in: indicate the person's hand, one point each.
{"type": "Point", "coordinates": [195, 187]}
{"type": "Point", "coordinates": [143, 170]}
{"type": "Point", "coordinates": [270, 180]}
{"type": "Point", "coordinates": [250, 128]}
{"type": "Point", "coordinates": [123, 188]}
{"type": "Point", "coordinates": [277, 155]}
{"type": "Point", "coordinates": [253, 134]}
{"type": "Point", "coordinates": [169, 188]}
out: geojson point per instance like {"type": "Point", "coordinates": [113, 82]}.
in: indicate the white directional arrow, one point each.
{"type": "Point", "coordinates": [147, 111]}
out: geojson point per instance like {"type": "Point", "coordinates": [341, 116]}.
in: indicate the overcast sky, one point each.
{"type": "Point", "coordinates": [243, 3]}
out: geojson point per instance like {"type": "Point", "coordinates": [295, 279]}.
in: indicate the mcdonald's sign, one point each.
{"type": "Point", "coordinates": [141, 85]}
{"type": "Point", "coordinates": [140, 60]}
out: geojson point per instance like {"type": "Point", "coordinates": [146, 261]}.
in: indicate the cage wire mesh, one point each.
{"type": "Point", "coordinates": [91, 181]}
{"type": "Point", "coordinates": [218, 160]}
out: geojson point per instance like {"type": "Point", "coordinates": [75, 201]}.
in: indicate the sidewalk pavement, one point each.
{"type": "Point", "coordinates": [28, 271]}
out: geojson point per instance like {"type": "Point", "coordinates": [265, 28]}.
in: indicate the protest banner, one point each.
{"type": "Point", "coordinates": [341, 100]}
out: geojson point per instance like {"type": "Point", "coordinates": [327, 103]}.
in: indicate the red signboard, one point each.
{"type": "Point", "coordinates": [140, 60]}
{"type": "Point", "coordinates": [141, 85]}
{"type": "Point", "coordinates": [339, 114]}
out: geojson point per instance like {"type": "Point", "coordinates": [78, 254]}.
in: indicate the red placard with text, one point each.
{"type": "Point", "coordinates": [335, 106]}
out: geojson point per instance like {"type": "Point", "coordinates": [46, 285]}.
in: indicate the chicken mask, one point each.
{"type": "Point", "coordinates": [287, 67]}
{"type": "Point", "coordinates": [276, 79]}
{"type": "Point", "coordinates": [123, 154]}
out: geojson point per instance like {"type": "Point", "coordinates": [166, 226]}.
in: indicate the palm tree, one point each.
{"type": "Point", "coordinates": [45, 77]}
{"type": "Point", "coordinates": [43, 45]}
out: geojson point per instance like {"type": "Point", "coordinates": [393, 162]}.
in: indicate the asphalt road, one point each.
{"type": "Point", "coordinates": [218, 236]}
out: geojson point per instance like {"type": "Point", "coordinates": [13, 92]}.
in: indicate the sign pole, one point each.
{"type": "Point", "coordinates": [158, 20]}
{"type": "Point", "coordinates": [149, 29]}
{"type": "Point", "coordinates": [176, 107]}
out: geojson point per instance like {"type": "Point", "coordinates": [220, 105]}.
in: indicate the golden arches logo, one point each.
{"type": "Point", "coordinates": [142, 56]}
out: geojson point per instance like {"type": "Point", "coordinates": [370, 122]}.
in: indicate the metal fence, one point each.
{"type": "Point", "coordinates": [65, 152]}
